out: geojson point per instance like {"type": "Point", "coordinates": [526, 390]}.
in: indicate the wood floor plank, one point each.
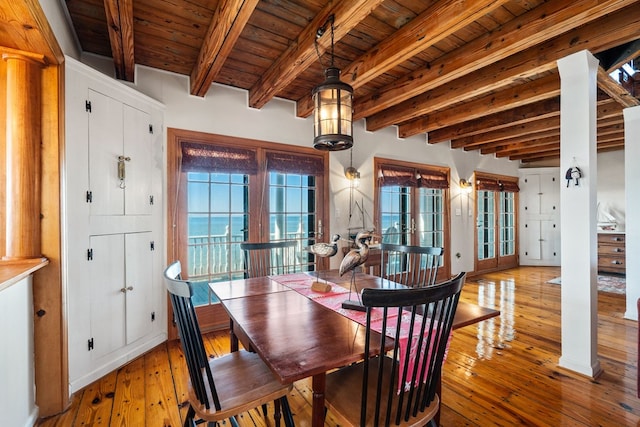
{"type": "Point", "coordinates": [501, 372]}
{"type": "Point", "coordinates": [129, 399]}
{"type": "Point", "coordinates": [96, 404]}
{"type": "Point", "coordinates": [161, 407]}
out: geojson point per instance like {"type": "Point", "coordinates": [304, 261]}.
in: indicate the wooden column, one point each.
{"type": "Point", "coordinates": [23, 169]}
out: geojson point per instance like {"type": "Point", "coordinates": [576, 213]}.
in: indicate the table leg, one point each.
{"type": "Point", "coordinates": [318, 383]}
{"type": "Point", "coordinates": [233, 338]}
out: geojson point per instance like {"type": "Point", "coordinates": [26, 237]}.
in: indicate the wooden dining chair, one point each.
{"type": "Point", "coordinates": [414, 266]}
{"type": "Point", "coordinates": [270, 258]}
{"type": "Point", "coordinates": [221, 387]}
{"type": "Point", "coordinates": [396, 386]}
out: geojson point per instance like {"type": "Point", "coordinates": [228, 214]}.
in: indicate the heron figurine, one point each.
{"type": "Point", "coordinates": [324, 250]}
{"type": "Point", "coordinates": [351, 261]}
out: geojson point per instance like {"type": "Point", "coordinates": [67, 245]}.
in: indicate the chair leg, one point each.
{"type": "Point", "coordinates": [277, 413]}
{"type": "Point", "coordinates": [188, 419]}
{"type": "Point", "coordinates": [288, 416]}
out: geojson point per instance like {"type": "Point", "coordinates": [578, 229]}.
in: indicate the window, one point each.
{"type": "Point", "coordinates": [411, 205]}
{"type": "Point", "coordinates": [230, 190]}
{"type": "Point", "coordinates": [496, 220]}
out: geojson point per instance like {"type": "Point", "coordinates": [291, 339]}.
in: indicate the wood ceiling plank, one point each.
{"type": "Point", "coordinates": [302, 51]}
{"type": "Point", "coordinates": [229, 19]}
{"type": "Point", "coordinates": [119, 15]}
{"type": "Point", "coordinates": [549, 20]}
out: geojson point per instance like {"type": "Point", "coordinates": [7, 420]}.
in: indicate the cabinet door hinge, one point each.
{"type": "Point", "coordinates": [151, 200]}
{"type": "Point", "coordinates": [152, 245]}
{"type": "Point", "coordinates": [150, 128]}
{"type": "Point", "coordinates": [89, 196]}
{"type": "Point", "coordinates": [87, 106]}
{"type": "Point", "coordinates": [90, 344]}
{"type": "Point", "coordinates": [153, 316]}
{"type": "Point", "coordinates": [89, 254]}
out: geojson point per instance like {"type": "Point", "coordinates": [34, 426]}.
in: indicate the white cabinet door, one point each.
{"type": "Point", "coordinates": [105, 147]}
{"type": "Point", "coordinates": [550, 241]}
{"type": "Point", "coordinates": [549, 194]}
{"type": "Point", "coordinates": [531, 240]}
{"type": "Point", "coordinates": [120, 156]}
{"type": "Point", "coordinates": [138, 153]}
{"type": "Point", "coordinates": [106, 279]}
{"type": "Point", "coordinates": [531, 191]}
{"type": "Point", "coordinates": [139, 285]}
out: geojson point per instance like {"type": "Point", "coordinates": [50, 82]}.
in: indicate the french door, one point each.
{"type": "Point", "coordinates": [496, 222]}
{"type": "Point", "coordinates": [229, 191]}
{"type": "Point", "coordinates": [411, 205]}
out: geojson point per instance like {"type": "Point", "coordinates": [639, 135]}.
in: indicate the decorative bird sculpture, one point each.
{"type": "Point", "coordinates": [324, 250]}
{"type": "Point", "coordinates": [351, 261]}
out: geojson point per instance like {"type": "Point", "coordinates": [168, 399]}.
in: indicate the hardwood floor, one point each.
{"type": "Point", "coordinates": [501, 372]}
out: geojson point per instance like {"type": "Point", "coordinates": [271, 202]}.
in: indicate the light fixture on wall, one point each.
{"type": "Point", "coordinates": [352, 173]}
{"type": "Point", "coordinates": [332, 103]}
{"type": "Point", "coordinates": [466, 186]}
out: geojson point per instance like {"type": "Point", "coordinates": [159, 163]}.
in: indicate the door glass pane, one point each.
{"type": "Point", "coordinates": [507, 224]}
{"type": "Point", "coordinates": [217, 221]}
{"type": "Point", "coordinates": [292, 214]}
{"type": "Point", "coordinates": [430, 218]}
{"type": "Point", "coordinates": [395, 214]}
{"type": "Point", "coordinates": [485, 225]}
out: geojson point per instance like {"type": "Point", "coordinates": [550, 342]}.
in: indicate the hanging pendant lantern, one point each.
{"type": "Point", "coordinates": [333, 108]}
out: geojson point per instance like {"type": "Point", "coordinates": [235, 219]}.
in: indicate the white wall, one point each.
{"type": "Point", "coordinates": [17, 389]}
{"type": "Point", "coordinates": [224, 111]}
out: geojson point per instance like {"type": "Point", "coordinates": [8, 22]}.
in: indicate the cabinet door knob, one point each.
{"type": "Point", "coordinates": [129, 288]}
{"type": "Point", "coordinates": [123, 290]}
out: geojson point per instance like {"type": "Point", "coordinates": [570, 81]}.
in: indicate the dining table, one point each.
{"type": "Point", "coordinates": [298, 337]}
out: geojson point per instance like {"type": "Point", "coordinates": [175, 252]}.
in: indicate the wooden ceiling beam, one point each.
{"type": "Point", "coordinates": [527, 93]}
{"type": "Point", "coordinates": [540, 24]}
{"type": "Point", "coordinates": [499, 136]}
{"type": "Point", "coordinates": [120, 26]}
{"type": "Point", "coordinates": [420, 33]}
{"type": "Point", "coordinates": [517, 116]}
{"type": "Point", "coordinates": [414, 37]}
{"type": "Point", "coordinates": [228, 21]}
{"type": "Point", "coordinates": [615, 89]}
{"type": "Point", "coordinates": [532, 140]}
{"type": "Point", "coordinates": [302, 52]}
{"type": "Point", "coordinates": [536, 147]}
{"type": "Point", "coordinates": [522, 65]}
{"type": "Point", "coordinates": [550, 155]}
{"type": "Point", "coordinates": [514, 117]}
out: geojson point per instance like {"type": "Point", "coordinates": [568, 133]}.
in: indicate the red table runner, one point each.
{"type": "Point", "coordinates": [302, 282]}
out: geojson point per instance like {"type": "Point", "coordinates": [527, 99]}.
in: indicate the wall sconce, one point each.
{"type": "Point", "coordinates": [352, 174]}
{"type": "Point", "coordinates": [466, 186]}
{"type": "Point", "coordinates": [332, 106]}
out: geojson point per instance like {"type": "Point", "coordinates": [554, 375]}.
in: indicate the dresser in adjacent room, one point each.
{"type": "Point", "coordinates": [611, 252]}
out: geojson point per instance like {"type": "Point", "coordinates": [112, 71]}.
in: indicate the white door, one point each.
{"type": "Point", "coordinates": [106, 280]}
{"type": "Point", "coordinates": [139, 285]}
{"type": "Point", "coordinates": [137, 155]}
{"type": "Point", "coordinates": [105, 147]}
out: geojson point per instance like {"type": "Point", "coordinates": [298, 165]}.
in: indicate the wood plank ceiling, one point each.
{"type": "Point", "coordinates": [478, 73]}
